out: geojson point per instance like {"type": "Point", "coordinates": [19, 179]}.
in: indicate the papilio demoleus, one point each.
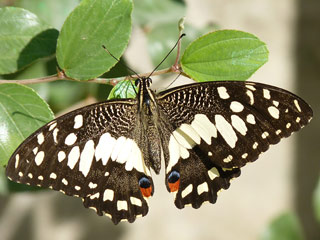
{"type": "Point", "coordinates": [104, 153]}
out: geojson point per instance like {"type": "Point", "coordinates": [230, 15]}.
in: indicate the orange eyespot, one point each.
{"type": "Point", "coordinates": [145, 187]}
{"type": "Point", "coordinates": [174, 181]}
{"type": "Point", "coordinates": [146, 192]}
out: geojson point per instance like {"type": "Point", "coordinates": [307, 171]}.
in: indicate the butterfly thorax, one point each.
{"type": "Point", "coordinates": [148, 118]}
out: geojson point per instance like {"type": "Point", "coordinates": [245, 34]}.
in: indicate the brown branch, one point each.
{"type": "Point", "coordinates": [33, 80]}
{"type": "Point", "coordinates": [61, 76]}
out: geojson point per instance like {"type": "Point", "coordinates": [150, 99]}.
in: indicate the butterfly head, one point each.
{"type": "Point", "coordinates": [145, 81]}
{"type": "Point", "coordinates": [145, 94]}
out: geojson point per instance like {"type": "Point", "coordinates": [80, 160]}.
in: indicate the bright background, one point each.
{"type": "Point", "coordinates": [282, 180]}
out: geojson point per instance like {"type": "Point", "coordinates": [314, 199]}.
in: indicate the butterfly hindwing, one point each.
{"type": "Point", "coordinates": [206, 132]}
{"type": "Point", "coordinates": [80, 154]}
{"type": "Point", "coordinates": [217, 127]}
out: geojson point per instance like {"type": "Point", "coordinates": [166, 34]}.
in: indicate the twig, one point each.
{"type": "Point", "coordinates": [61, 76]}
{"type": "Point", "coordinates": [33, 80]}
{"type": "Point", "coordinates": [175, 67]}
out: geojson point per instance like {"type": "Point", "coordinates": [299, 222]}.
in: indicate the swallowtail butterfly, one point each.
{"type": "Point", "coordinates": [206, 132]}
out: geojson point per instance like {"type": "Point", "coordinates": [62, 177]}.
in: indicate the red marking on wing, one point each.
{"type": "Point", "coordinates": [146, 192]}
{"type": "Point", "coordinates": [174, 186]}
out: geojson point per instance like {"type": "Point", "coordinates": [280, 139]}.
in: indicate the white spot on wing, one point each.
{"type": "Point", "coordinates": [265, 135]}
{"type": "Point", "coordinates": [52, 126]}
{"type": "Point", "coordinates": [213, 173]}
{"type": "Point", "coordinates": [175, 152]}
{"type": "Point", "coordinates": [86, 158]}
{"type": "Point", "coordinates": [35, 150]}
{"type": "Point", "coordinates": [226, 131]}
{"type": "Point", "coordinates": [122, 205]}
{"type": "Point", "coordinates": [250, 87]}
{"type": "Point", "coordinates": [245, 155]}
{"type": "Point", "coordinates": [53, 176]}
{"type": "Point", "coordinates": [16, 164]}
{"type": "Point", "coordinates": [92, 185]}
{"type": "Point", "coordinates": [117, 147]}
{"type": "Point", "coordinates": [288, 125]}
{"type": "Point", "coordinates": [228, 159]}
{"type": "Point", "coordinates": [55, 135]}
{"type": "Point", "coordinates": [64, 181]}
{"type": "Point", "coordinates": [236, 106]}
{"type": "Point", "coordinates": [189, 131]}
{"type": "Point", "coordinates": [40, 138]}
{"type": "Point", "coordinates": [202, 188]}
{"type": "Point", "coordinates": [187, 190]}
{"type": "Point", "coordinates": [251, 119]}
{"type": "Point", "coordinates": [184, 139]}
{"type": "Point", "coordinates": [204, 127]}
{"type": "Point", "coordinates": [296, 103]}
{"type": "Point", "coordinates": [298, 119]}
{"type": "Point", "coordinates": [124, 155]}
{"type": "Point", "coordinates": [266, 94]}
{"type": "Point", "coordinates": [96, 195]}
{"type": "Point", "coordinates": [239, 124]}
{"type": "Point", "coordinates": [222, 91]}
{"type": "Point", "coordinates": [274, 112]}
{"type": "Point", "coordinates": [61, 156]}
{"type": "Point", "coordinates": [136, 201]}
{"type": "Point", "coordinates": [104, 148]}
{"type": "Point", "coordinates": [73, 157]}
{"type": "Point", "coordinates": [136, 160]}
{"type": "Point", "coordinates": [250, 95]}
{"type": "Point", "coordinates": [30, 175]}
{"type": "Point", "coordinates": [108, 195]}
{"type": "Point", "coordinates": [278, 131]}
{"type": "Point", "coordinates": [255, 145]}
{"type": "Point", "coordinates": [78, 121]}
{"type": "Point", "coordinates": [39, 158]}
{"type": "Point", "coordinates": [40, 178]}
{"type": "Point", "coordinates": [70, 139]}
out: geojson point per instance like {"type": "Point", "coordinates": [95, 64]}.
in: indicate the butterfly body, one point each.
{"type": "Point", "coordinates": [206, 132]}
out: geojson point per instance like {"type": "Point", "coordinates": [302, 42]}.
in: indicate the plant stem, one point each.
{"type": "Point", "coordinates": [59, 76]}
{"type": "Point", "coordinates": [33, 80]}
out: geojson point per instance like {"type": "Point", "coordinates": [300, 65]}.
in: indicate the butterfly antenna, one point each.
{"type": "Point", "coordinates": [173, 80]}
{"type": "Point", "coordinates": [182, 35]}
{"type": "Point", "coordinates": [118, 60]}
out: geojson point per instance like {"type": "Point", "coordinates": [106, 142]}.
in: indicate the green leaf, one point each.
{"type": "Point", "coordinates": [92, 24]}
{"type": "Point", "coordinates": [153, 12]}
{"type": "Point", "coordinates": [316, 201]}
{"type": "Point", "coordinates": [60, 97]}
{"type": "Point", "coordinates": [123, 89]}
{"type": "Point", "coordinates": [23, 39]}
{"type": "Point", "coordinates": [22, 112]}
{"type": "Point", "coordinates": [286, 226]}
{"type": "Point", "coordinates": [53, 12]}
{"type": "Point", "coordinates": [162, 38]}
{"type": "Point", "coordinates": [224, 55]}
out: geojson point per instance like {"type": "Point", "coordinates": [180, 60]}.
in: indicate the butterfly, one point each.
{"type": "Point", "coordinates": [104, 153]}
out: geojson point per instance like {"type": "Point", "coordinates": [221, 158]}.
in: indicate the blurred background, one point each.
{"type": "Point", "coordinates": [276, 193]}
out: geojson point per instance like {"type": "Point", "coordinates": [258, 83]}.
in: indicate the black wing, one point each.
{"type": "Point", "coordinates": [91, 153]}
{"type": "Point", "coordinates": [215, 128]}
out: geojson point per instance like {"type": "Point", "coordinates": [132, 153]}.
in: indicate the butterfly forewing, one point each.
{"type": "Point", "coordinates": [220, 126]}
{"type": "Point", "coordinates": [81, 154]}
{"type": "Point", "coordinates": [206, 132]}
